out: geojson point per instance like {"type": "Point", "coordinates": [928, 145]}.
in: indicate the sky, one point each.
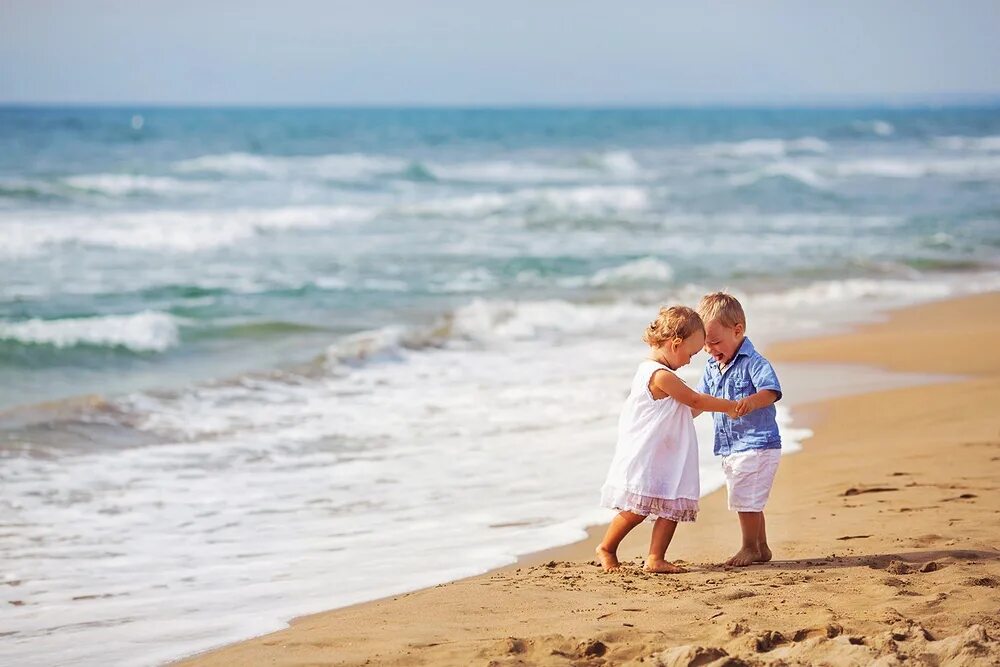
{"type": "Point", "coordinates": [500, 53]}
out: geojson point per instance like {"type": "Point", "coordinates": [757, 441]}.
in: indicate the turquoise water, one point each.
{"type": "Point", "coordinates": [243, 350]}
{"type": "Point", "coordinates": [239, 231]}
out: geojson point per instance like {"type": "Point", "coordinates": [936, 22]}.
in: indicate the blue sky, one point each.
{"type": "Point", "coordinates": [382, 52]}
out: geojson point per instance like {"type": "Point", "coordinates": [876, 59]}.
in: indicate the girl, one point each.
{"type": "Point", "coordinates": [655, 468]}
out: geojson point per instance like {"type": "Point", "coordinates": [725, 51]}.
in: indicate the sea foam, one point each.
{"type": "Point", "coordinates": [148, 331]}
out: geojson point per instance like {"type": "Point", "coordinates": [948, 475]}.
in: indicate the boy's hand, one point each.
{"type": "Point", "coordinates": [744, 406]}
{"type": "Point", "coordinates": [733, 413]}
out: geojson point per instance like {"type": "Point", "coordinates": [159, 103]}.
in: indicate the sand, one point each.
{"type": "Point", "coordinates": [884, 529]}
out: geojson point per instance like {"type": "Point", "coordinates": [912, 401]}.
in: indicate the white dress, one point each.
{"type": "Point", "coordinates": [655, 468]}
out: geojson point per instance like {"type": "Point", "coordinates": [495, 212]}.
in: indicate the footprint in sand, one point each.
{"type": "Point", "coordinates": [854, 490]}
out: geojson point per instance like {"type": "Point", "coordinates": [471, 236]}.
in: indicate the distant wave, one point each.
{"type": "Point", "coordinates": [782, 170]}
{"type": "Point", "coordinates": [589, 199]}
{"type": "Point", "coordinates": [987, 144]}
{"type": "Point", "coordinates": [119, 185]}
{"type": "Point", "coordinates": [28, 190]}
{"type": "Point", "coordinates": [174, 231]}
{"type": "Point", "coordinates": [618, 163]}
{"type": "Point", "coordinates": [979, 167]}
{"type": "Point", "coordinates": [359, 166]}
{"type": "Point", "coordinates": [640, 271]}
{"type": "Point", "coordinates": [148, 331]}
{"type": "Point", "coordinates": [104, 185]}
{"type": "Point", "coordinates": [347, 166]}
{"type": "Point", "coordinates": [765, 148]}
{"type": "Point", "coordinates": [188, 231]}
{"type": "Point", "coordinates": [878, 127]}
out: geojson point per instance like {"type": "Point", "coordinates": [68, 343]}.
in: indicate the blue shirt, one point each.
{"type": "Point", "coordinates": [747, 373]}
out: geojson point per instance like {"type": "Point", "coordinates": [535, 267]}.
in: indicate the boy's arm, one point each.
{"type": "Point", "coordinates": [761, 399]}
{"type": "Point", "coordinates": [672, 386]}
{"type": "Point", "coordinates": [768, 388]}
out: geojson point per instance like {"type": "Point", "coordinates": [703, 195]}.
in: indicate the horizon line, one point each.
{"type": "Point", "coordinates": [139, 106]}
{"type": "Point", "coordinates": [896, 101]}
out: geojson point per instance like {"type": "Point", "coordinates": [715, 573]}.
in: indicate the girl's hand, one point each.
{"type": "Point", "coordinates": [733, 411]}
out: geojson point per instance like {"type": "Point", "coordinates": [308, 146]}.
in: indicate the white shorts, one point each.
{"type": "Point", "coordinates": [749, 476]}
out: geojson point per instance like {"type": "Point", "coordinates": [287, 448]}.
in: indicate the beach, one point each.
{"type": "Point", "coordinates": [884, 530]}
{"type": "Point", "coordinates": [264, 363]}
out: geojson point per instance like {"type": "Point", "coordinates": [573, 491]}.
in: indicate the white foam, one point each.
{"type": "Point", "coordinates": [117, 185]}
{"type": "Point", "coordinates": [857, 289]}
{"type": "Point", "coordinates": [878, 127]}
{"type": "Point", "coordinates": [585, 199]}
{"type": "Point", "coordinates": [646, 269]}
{"type": "Point", "coordinates": [987, 144]}
{"type": "Point", "coordinates": [148, 331]}
{"type": "Point", "coordinates": [765, 147]}
{"type": "Point", "coordinates": [231, 164]}
{"type": "Point", "coordinates": [175, 231]}
{"type": "Point", "coordinates": [794, 171]}
{"type": "Point", "coordinates": [342, 166]}
{"type": "Point", "coordinates": [982, 167]}
{"type": "Point", "coordinates": [508, 172]}
{"type": "Point", "coordinates": [618, 163]}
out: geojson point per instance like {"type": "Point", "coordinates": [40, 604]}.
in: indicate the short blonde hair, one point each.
{"type": "Point", "coordinates": [673, 322]}
{"type": "Point", "coordinates": [722, 308]}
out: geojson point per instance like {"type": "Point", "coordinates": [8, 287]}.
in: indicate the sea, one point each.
{"type": "Point", "coordinates": [257, 363]}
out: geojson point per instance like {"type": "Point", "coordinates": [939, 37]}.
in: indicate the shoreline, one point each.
{"type": "Point", "coordinates": [325, 635]}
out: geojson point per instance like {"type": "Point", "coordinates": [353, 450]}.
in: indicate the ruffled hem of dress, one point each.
{"type": "Point", "coordinates": [675, 509]}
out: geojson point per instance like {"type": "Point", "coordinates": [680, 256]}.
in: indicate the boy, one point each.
{"type": "Point", "coordinates": [749, 445]}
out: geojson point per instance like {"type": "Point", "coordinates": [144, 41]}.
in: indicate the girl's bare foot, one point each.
{"type": "Point", "coordinates": [744, 557]}
{"type": "Point", "coordinates": [660, 566]}
{"type": "Point", "coordinates": [765, 554]}
{"type": "Point", "coordinates": [608, 559]}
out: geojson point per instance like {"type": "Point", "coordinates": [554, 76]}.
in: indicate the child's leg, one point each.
{"type": "Point", "coordinates": [607, 551]}
{"type": "Point", "coordinates": [749, 476]}
{"type": "Point", "coordinates": [751, 527]}
{"type": "Point", "coordinates": [663, 532]}
{"type": "Point", "coordinates": [765, 551]}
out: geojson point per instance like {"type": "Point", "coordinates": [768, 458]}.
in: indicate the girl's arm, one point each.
{"type": "Point", "coordinates": [664, 383]}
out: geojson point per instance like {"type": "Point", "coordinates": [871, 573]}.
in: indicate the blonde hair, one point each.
{"type": "Point", "coordinates": [722, 308]}
{"type": "Point", "coordinates": [673, 322]}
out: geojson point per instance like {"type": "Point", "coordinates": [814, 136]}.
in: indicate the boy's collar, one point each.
{"type": "Point", "coordinates": [746, 348]}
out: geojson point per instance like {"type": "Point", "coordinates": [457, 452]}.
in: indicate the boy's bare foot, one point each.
{"type": "Point", "coordinates": [744, 557]}
{"type": "Point", "coordinates": [765, 554]}
{"type": "Point", "coordinates": [660, 566]}
{"type": "Point", "coordinates": [608, 559]}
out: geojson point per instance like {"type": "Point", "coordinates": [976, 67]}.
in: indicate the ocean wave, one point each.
{"type": "Point", "coordinates": [859, 290]}
{"type": "Point", "coordinates": [148, 331]}
{"type": "Point", "coordinates": [618, 163]}
{"type": "Point", "coordinates": [765, 148]}
{"type": "Point", "coordinates": [982, 167]}
{"type": "Point", "coordinates": [509, 173]}
{"type": "Point", "coordinates": [485, 322]}
{"type": "Point", "coordinates": [987, 144]}
{"type": "Point", "coordinates": [119, 185]}
{"type": "Point", "coordinates": [29, 190]}
{"type": "Point", "coordinates": [359, 166]}
{"type": "Point", "coordinates": [345, 166]}
{"type": "Point", "coordinates": [174, 231]}
{"type": "Point", "coordinates": [587, 199]}
{"type": "Point", "coordinates": [643, 270]}
{"type": "Point", "coordinates": [878, 127]}
{"type": "Point", "coordinates": [782, 170]}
